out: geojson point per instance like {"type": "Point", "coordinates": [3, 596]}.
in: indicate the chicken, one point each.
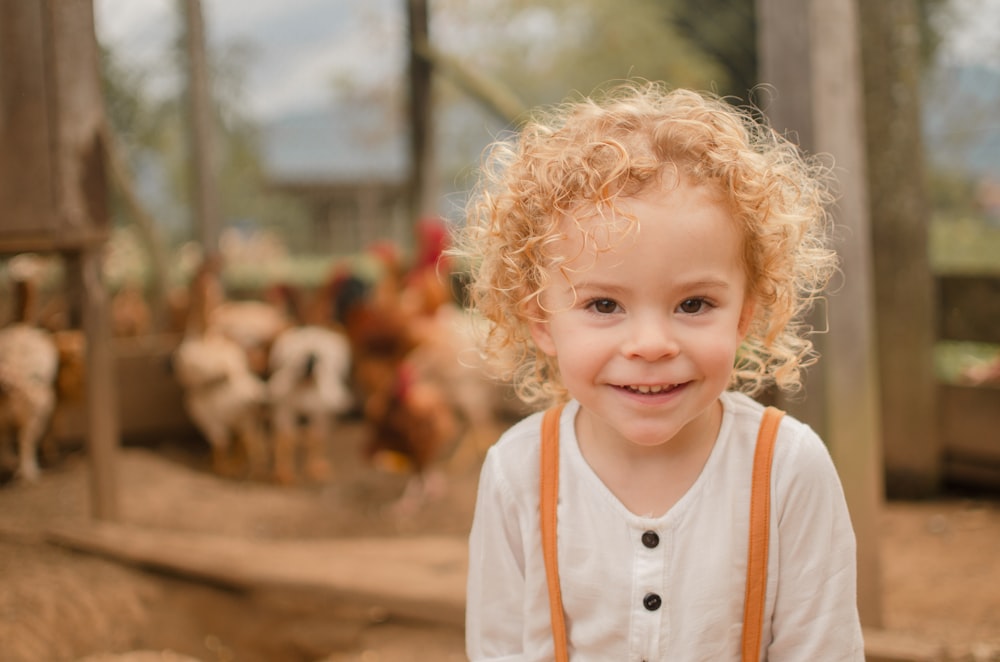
{"type": "Point", "coordinates": [253, 325]}
{"type": "Point", "coordinates": [37, 367]}
{"type": "Point", "coordinates": [449, 356]}
{"type": "Point", "coordinates": [224, 398]}
{"type": "Point", "coordinates": [29, 366]}
{"type": "Point", "coordinates": [413, 425]}
{"type": "Point", "coordinates": [309, 369]}
{"type": "Point", "coordinates": [427, 285]}
{"type": "Point", "coordinates": [379, 333]}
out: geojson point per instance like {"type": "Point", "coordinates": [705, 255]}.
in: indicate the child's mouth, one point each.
{"type": "Point", "coordinates": [654, 389]}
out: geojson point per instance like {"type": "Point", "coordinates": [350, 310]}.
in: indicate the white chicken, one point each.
{"type": "Point", "coordinates": [29, 365]}
{"type": "Point", "coordinates": [253, 325]}
{"type": "Point", "coordinates": [309, 372]}
{"type": "Point", "coordinates": [224, 398]}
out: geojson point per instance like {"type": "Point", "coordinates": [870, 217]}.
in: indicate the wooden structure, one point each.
{"type": "Point", "coordinates": [810, 55]}
{"type": "Point", "coordinates": [900, 213]}
{"type": "Point", "coordinates": [52, 187]}
{"type": "Point", "coordinates": [967, 450]}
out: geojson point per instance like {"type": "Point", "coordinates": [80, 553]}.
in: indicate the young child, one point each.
{"type": "Point", "coordinates": [645, 258]}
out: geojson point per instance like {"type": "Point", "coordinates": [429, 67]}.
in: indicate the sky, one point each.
{"type": "Point", "coordinates": [302, 45]}
{"type": "Point", "coordinates": [299, 46]}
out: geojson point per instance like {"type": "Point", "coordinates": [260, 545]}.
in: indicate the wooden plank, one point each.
{"type": "Point", "coordinates": [411, 577]}
{"type": "Point", "coordinates": [968, 308]}
{"type": "Point", "coordinates": [970, 423]}
{"type": "Point", "coordinates": [890, 646]}
{"type": "Point", "coordinates": [26, 186]}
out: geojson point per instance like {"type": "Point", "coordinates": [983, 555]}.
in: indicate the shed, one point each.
{"type": "Point", "coordinates": [53, 192]}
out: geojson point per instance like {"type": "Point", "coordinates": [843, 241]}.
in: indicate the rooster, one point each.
{"type": "Point", "coordinates": [309, 369]}
{"type": "Point", "coordinates": [412, 425]}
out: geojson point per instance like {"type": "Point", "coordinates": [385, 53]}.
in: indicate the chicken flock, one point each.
{"type": "Point", "coordinates": [268, 381]}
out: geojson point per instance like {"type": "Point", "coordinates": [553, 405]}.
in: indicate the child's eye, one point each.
{"type": "Point", "coordinates": [603, 306]}
{"type": "Point", "coordinates": [693, 306]}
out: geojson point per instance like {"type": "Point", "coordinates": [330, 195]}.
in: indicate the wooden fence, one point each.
{"type": "Point", "coordinates": [969, 416]}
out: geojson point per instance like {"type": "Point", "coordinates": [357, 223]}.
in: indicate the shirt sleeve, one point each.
{"type": "Point", "coordinates": [815, 614]}
{"type": "Point", "coordinates": [494, 623]}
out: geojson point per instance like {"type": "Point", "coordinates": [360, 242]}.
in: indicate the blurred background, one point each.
{"type": "Point", "coordinates": [311, 102]}
{"type": "Point", "coordinates": [255, 168]}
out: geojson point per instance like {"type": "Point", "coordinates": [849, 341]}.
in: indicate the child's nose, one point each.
{"type": "Point", "coordinates": [651, 338]}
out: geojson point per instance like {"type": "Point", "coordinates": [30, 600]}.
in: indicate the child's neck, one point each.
{"type": "Point", "coordinates": [649, 482]}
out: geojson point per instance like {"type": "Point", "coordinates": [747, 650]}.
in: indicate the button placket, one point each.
{"type": "Point", "coordinates": [650, 548]}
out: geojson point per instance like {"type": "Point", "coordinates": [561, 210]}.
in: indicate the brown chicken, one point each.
{"type": "Point", "coordinates": [412, 427]}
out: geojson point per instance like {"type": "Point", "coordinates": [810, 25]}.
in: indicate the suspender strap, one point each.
{"type": "Point", "coordinates": [760, 530]}
{"type": "Point", "coordinates": [549, 500]}
{"type": "Point", "coordinates": [760, 527]}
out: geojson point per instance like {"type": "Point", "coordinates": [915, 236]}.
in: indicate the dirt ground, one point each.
{"type": "Point", "coordinates": [941, 566]}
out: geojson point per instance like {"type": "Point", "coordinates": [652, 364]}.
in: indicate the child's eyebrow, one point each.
{"type": "Point", "coordinates": [710, 284]}
{"type": "Point", "coordinates": [699, 284]}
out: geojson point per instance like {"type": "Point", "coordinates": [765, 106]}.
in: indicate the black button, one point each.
{"type": "Point", "coordinates": [652, 601]}
{"type": "Point", "coordinates": [650, 539]}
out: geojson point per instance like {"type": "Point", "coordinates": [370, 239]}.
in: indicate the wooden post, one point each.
{"type": "Point", "coordinates": [421, 127]}
{"type": "Point", "coordinates": [204, 162]}
{"type": "Point", "coordinates": [904, 283]}
{"type": "Point", "coordinates": [831, 75]}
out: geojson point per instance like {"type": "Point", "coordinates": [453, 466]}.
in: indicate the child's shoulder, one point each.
{"type": "Point", "coordinates": [512, 463]}
{"type": "Point", "coordinates": [798, 449]}
{"type": "Point", "coordinates": [747, 414]}
{"type": "Point", "coordinates": [526, 432]}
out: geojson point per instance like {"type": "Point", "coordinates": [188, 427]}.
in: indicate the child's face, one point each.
{"type": "Point", "coordinates": [646, 334]}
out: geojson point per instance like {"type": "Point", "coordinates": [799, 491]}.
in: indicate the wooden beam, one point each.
{"type": "Point", "coordinates": [202, 133]}
{"type": "Point", "coordinates": [420, 113]}
{"type": "Point", "coordinates": [416, 577]}
{"type": "Point", "coordinates": [831, 75]}
{"type": "Point", "coordinates": [900, 218]}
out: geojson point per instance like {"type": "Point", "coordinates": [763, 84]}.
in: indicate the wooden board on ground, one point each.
{"type": "Point", "coordinates": [421, 577]}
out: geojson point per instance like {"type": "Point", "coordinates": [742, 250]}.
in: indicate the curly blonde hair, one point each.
{"type": "Point", "coordinates": [583, 155]}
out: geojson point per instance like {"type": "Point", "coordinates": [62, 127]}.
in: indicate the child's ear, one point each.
{"type": "Point", "coordinates": [542, 336]}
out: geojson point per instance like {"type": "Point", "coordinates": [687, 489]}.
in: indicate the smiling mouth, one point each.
{"type": "Point", "coordinates": [650, 390]}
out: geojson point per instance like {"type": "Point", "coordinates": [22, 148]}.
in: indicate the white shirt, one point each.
{"type": "Point", "coordinates": [697, 568]}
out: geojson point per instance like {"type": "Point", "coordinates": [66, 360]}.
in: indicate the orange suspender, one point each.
{"type": "Point", "coordinates": [760, 527]}
{"type": "Point", "coordinates": [549, 497]}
